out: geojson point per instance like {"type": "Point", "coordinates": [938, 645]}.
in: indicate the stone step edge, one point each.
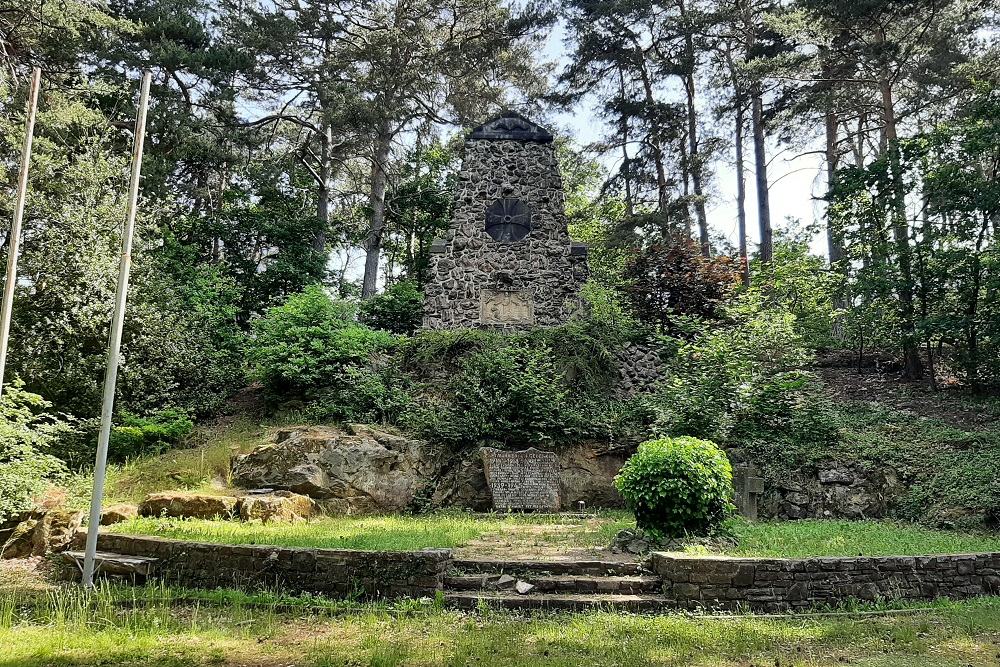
{"type": "Point", "coordinates": [112, 563]}
{"type": "Point", "coordinates": [567, 567]}
{"type": "Point", "coordinates": [568, 583]}
{"type": "Point", "coordinates": [557, 601]}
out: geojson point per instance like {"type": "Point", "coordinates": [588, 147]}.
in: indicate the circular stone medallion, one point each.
{"type": "Point", "coordinates": [508, 220]}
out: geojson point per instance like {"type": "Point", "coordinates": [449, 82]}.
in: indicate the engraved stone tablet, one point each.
{"type": "Point", "coordinates": [506, 307]}
{"type": "Point", "coordinates": [525, 480]}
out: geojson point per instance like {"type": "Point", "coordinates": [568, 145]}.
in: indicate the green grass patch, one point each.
{"type": "Point", "coordinates": [382, 533]}
{"type": "Point", "coordinates": [780, 539]}
{"type": "Point", "coordinates": [203, 468]}
{"type": "Point", "coordinates": [157, 625]}
{"type": "Point", "coordinates": [814, 537]}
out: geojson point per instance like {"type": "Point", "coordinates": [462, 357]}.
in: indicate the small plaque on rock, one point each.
{"type": "Point", "coordinates": [524, 480]}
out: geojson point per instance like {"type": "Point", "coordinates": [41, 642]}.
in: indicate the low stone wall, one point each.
{"type": "Point", "coordinates": [336, 572]}
{"type": "Point", "coordinates": [771, 584]}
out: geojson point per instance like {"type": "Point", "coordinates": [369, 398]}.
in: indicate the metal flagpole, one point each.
{"type": "Point", "coordinates": [14, 240]}
{"type": "Point", "coordinates": [114, 344]}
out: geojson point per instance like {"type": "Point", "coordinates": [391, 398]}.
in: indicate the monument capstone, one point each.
{"type": "Point", "coordinates": [507, 261]}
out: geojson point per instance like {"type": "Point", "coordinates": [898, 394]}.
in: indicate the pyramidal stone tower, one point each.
{"type": "Point", "coordinates": [507, 261]}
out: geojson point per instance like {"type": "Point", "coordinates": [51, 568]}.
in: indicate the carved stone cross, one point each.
{"type": "Point", "coordinates": [749, 486]}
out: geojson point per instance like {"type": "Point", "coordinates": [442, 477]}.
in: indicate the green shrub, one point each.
{"type": "Point", "coordinates": [27, 430]}
{"type": "Point", "coordinates": [306, 344]}
{"type": "Point", "coordinates": [511, 395]}
{"type": "Point", "coordinates": [399, 309]}
{"type": "Point", "coordinates": [677, 486]}
{"type": "Point", "coordinates": [365, 395]}
{"type": "Point", "coordinates": [152, 433]}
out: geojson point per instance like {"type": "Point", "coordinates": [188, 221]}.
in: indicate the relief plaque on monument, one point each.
{"type": "Point", "coordinates": [506, 307]}
{"type": "Point", "coordinates": [524, 480]}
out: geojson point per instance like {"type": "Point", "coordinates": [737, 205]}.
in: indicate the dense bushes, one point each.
{"type": "Point", "coordinates": [677, 486]}
{"type": "Point", "coordinates": [308, 344]}
{"type": "Point", "coordinates": [399, 309]}
{"type": "Point", "coordinates": [27, 429]}
{"type": "Point", "coordinates": [507, 395]}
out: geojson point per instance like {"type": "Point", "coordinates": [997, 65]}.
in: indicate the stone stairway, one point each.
{"type": "Point", "coordinates": [573, 585]}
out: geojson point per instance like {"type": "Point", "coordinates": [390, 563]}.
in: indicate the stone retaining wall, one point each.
{"type": "Point", "coordinates": [770, 585]}
{"type": "Point", "coordinates": [336, 572]}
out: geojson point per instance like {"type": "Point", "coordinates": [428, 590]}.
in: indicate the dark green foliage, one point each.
{"type": "Point", "coordinates": [399, 309]}
{"type": "Point", "coordinates": [364, 395]}
{"type": "Point", "coordinates": [677, 486]}
{"type": "Point", "coordinates": [511, 396]}
{"type": "Point", "coordinates": [151, 433]}
{"type": "Point", "coordinates": [27, 430]}
{"type": "Point", "coordinates": [713, 380]}
{"type": "Point", "coordinates": [672, 279]}
{"type": "Point", "coordinates": [308, 344]}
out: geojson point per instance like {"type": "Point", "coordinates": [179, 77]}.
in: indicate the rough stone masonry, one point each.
{"type": "Point", "coordinates": [507, 261]}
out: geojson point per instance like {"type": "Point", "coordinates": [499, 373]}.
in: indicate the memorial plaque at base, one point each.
{"type": "Point", "coordinates": [524, 480]}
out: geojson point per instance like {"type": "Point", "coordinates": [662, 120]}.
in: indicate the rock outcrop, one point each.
{"type": "Point", "coordinates": [833, 492]}
{"type": "Point", "coordinates": [366, 469]}
{"type": "Point", "coordinates": [360, 470]}
{"type": "Point", "coordinates": [41, 532]}
{"type": "Point", "coordinates": [277, 506]}
{"type": "Point", "coordinates": [178, 504]}
{"type": "Point", "coordinates": [118, 513]}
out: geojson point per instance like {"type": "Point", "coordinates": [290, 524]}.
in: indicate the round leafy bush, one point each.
{"type": "Point", "coordinates": [309, 342]}
{"type": "Point", "coordinates": [400, 309]}
{"type": "Point", "coordinates": [677, 486]}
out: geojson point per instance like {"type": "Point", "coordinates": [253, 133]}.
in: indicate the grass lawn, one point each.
{"type": "Point", "coordinates": [550, 535]}
{"type": "Point", "coordinates": [389, 533]}
{"type": "Point", "coordinates": [203, 467]}
{"type": "Point", "coordinates": [152, 626]}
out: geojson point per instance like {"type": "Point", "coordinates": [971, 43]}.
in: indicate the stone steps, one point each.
{"type": "Point", "coordinates": [565, 585]}
{"type": "Point", "coordinates": [594, 568]}
{"type": "Point", "coordinates": [470, 600]}
{"type": "Point", "coordinates": [628, 585]}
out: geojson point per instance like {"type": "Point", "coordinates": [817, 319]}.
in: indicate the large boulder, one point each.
{"type": "Point", "coordinates": [362, 469]}
{"type": "Point", "coordinates": [587, 473]}
{"type": "Point", "coordinates": [19, 544]}
{"type": "Point", "coordinates": [42, 532]}
{"type": "Point", "coordinates": [277, 506]}
{"type": "Point", "coordinates": [118, 513]}
{"type": "Point", "coordinates": [179, 504]}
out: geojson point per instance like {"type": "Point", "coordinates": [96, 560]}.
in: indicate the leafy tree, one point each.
{"type": "Point", "coordinates": [672, 279]}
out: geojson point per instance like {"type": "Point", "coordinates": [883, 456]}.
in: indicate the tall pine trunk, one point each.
{"type": "Point", "coordinates": [323, 198]}
{"type": "Point", "coordinates": [741, 192]}
{"type": "Point", "coordinates": [760, 169]}
{"type": "Point", "coordinates": [379, 182]}
{"type": "Point", "coordinates": [693, 156]}
{"type": "Point", "coordinates": [913, 367]}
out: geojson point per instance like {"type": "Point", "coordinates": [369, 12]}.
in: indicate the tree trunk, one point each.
{"type": "Point", "coordinates": [741, 193]}
{"type": "Point", "coordinates": [325, 173]}
{"type": "Point", "coordinates": [661, 172]}
{"type": "Point", "coordinates": [626, 163]}
{"type": "Point", "coordinates": [695, 159]}
{"type": "Point", "coordinates": [913, 368]}
{"type": "Point", "coordinates": [760, 168]}
{"type": "Point", "coordinates": [379, 181]}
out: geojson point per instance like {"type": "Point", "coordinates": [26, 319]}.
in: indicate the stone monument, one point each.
{"type": "Point", "coordinates": [507, 261]}
{"type": "Point", "coordinates": [524, 480]}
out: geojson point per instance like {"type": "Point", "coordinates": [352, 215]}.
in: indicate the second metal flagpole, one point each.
{"type": "Point", "coordinates": [114, 344]}
{"type": "Point", "coordinates": [14, 240]}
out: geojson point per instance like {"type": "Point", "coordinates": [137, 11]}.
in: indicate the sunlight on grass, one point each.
{"type": "Point", "coordinates": [815, 537]}
{"type": "Point", "coordinates": [160, 625]}
{"type": "Point", "coordinates": [389, 533]}
{"type": "Point", "coordinates": [203, 468]}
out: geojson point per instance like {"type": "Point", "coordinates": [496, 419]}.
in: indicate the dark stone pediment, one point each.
{"type": "Point", "coordinates": [512, 126]}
